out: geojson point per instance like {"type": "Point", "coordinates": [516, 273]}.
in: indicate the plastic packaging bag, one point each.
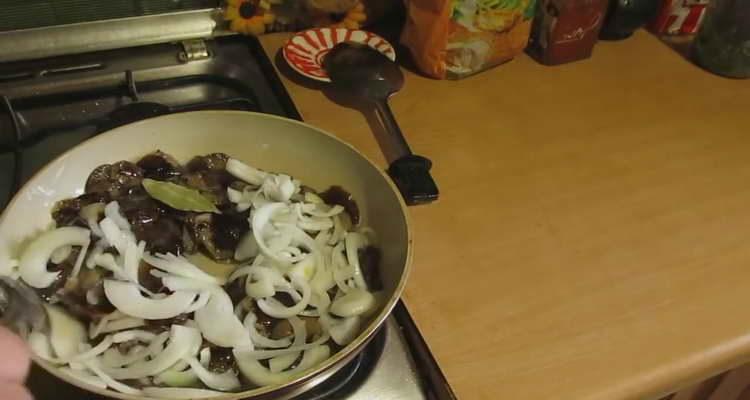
{"type": "Point", "coordinates": [456, 38]}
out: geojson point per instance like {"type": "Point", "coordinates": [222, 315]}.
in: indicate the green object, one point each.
{"type": "Point", "coordinates": [178, 197]}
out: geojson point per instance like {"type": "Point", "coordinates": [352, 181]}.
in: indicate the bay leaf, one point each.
{"type": "Point", "coordinates": [178, 197]}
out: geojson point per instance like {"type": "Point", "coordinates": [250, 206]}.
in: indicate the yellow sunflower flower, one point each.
{"type": "Point", "coordinates": [249, 17]}
{"type": "Point", "coordinates": [354, 18]}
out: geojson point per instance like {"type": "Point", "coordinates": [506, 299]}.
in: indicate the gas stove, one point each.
{"type": "Point", "coordinates": [48, 105]}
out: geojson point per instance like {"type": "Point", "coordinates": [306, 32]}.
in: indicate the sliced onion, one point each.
{"type": "Point", "coordinates": [266, 354]}
{"type": "Point", "coordinates": [219, 324]}
{"type": "Point", "coordinates": [180, 393]}
{"type": "Point", "coordinates": [256, 373]}
{"type": "Point", "coordinates": [180, 266]}
{"type": "Point", "coordinates": [108, 262]}
{"type": "Point", "coordinates": [180, 344]}
{"type": "Point", "coordinates": [60, 254]}
{"type": "Point", "coordinates": [203, 298]}
{"type": "Point", "coordinates": [96, 252]}
{"type": "Point", "coordinates": [175, 283]}
{"type": "Point", "coordinates": [260, 218]}
{"type": "Point", "coordinates": [122, 324]}
{"type": "Point", "coordinates": [235, 196]}
{"type": "Point", "coordinates": [157, 345]}
{"type": "Point", "coordinates": [260, 340]}
{"type": "Point", "coordinates": [323, 279]}
{"type": "Point", "coordinates": [79, 261]}
{"type": "Point", "coordinates": [205, 356]}
{"type": "Point", "coordinates": [111, 382]}
{"type": "Point", "coordinates": [342, 331]}
{"type": "Point", "coordinates": [90, 213]}
{"type": "Point", "coordinates": [132, 259]}
{"type": "Point", "coordinates": [127, 298]}
{"type": "Point", "coordinates": [262, 281]}
{"type": "Point", "coordinates": [66, 332]}
{"type": "Point", "coordinates": [242, 171]}
{"type": "Point", "coordinates": [115, 235]}
{"type": "Point", "coordinates": [320, 300]}
{"type": "Point", "coordinates": [280, 363]}
{"type": "Point", "coordinates": [176, 378]}
{"type": "Point", "coordinates": [112, 211]}
{"type": "Point", "coordinates": [315, 224]}
{"type": "Point", "coordinates": [40, 345]}
{"type": "Point", "coordinates": [222, 381]}
{"type": "Point", "coordinates": [87, 354]}
{"type": "Point", "coordinates": [338, 230]}
{"type": "Point", "coordinates": [247, 247]}
{"type": "Point", "coordinates": [113, 358]}
{"type": "Point", "coordinates": [323, 237]}
{"type": "Point", "coordinates": [135, 334]}
{"type": "Point", "coordinates": [320, 209]}
{"type": "Point", "coordinates": [96, 328]}
{"type": "Point", "coordinates": [274, 308]}
{"type": "Point", "coordinates": [355, 242]}
{"type": "Point", "coordinates": [354, 302]}
{"type": "Point", "coordinates": [305, 269]}
{"type": "Point", "coordinates": [34, 259]}
{"type": "Point", "coordinates": [279, 187]}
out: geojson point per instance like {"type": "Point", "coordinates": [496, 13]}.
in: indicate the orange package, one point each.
{"type": "Point", "coordinates": [457, 38]}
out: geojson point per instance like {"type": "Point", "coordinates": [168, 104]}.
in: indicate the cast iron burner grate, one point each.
{"type": "Point", "coordinates": [49, 106]}
{"type": "Point", "coordinates": [136, 110]}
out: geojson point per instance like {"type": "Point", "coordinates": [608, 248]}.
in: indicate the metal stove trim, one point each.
{"type": "Point", "coordinates": [87, 37]}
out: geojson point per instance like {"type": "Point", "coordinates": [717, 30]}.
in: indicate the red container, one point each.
{"type": "Point", "coordinates": [679, 17]}
{"type": "Point", "coordinates": [566, 30]}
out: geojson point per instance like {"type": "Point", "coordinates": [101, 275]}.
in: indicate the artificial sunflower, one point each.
{"type": "Point", "coordinates": [352, 18]}
{"type": "Point", "coordinates": [249, 17]}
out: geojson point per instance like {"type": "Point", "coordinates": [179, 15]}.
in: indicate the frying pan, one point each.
{"type": "Point", "coordinates": [268, 142]}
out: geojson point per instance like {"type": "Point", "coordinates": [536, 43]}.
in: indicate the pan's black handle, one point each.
{"type": "Point", "coordinates": [412, 176]}
{"type": "Point", "coordinates": [410, 171]}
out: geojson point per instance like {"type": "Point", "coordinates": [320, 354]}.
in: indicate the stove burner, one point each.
{"type": "Point", "coordinates": [134, 111]}
{"type": "Point", "coordinates": [131, 113]}
{"type": "Point", "coordinates": [351, 376]}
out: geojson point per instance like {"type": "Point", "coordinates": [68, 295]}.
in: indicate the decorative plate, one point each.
{"type": "Point", "coordinates": [304, 51]}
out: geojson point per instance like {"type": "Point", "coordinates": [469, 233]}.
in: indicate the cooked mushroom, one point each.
{"type": "Point", "coordinates": [222, 360]}
{"type": "Point", "coordinates": [156, 224]}
{"type": "Point", "coordinates": [160, 166]}
{"type": "Point", "coordinates": [67, 212]}
{"type": "Point", "coordinates": [208, 175]}
{"type": "Point", "coordinates": [209, 162]}
{"type": "Point", "coordinates": [337, 195]}
{"type": "Point", "coordinates": [217, 234]}
{"type": "Point", "coordinates": [114, 179]}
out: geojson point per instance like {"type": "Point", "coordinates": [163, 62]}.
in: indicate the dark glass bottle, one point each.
{"type": "Point", "coordinates": [722, 45]}
{"type": "Point", "coordinates": [625, 16]}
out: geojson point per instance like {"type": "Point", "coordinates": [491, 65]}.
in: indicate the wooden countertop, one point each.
{"type": "Point", "coordinates": [592, 239]}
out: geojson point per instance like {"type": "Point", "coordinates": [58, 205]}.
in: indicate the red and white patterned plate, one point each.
{"type": "Point", "coordinates": [305, 51]}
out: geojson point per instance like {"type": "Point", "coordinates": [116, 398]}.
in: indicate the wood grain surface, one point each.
{"type": "Point", "coordinates": [591, 239]}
